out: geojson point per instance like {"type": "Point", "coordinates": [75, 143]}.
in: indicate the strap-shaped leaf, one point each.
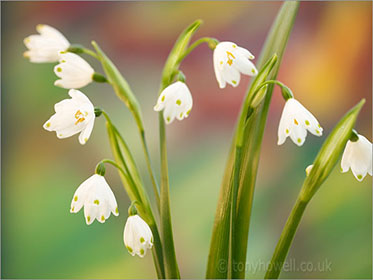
{"type": "Point", "coordinates": [120, 85]}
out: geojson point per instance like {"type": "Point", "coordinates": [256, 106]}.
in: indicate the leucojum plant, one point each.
{"type": "Point", "coordinates": [142, 231]}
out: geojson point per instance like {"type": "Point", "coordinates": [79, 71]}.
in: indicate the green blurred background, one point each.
{"type": "Point", "coordinates": [328, 65]}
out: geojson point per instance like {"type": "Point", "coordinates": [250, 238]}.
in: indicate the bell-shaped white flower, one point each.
{"type": "Point", "coordinates": [73, 70]}
{"type": "Point", "coordinates": [137, 236]}
{"type": "Point", "coordinates": [97, 198]}
{"type": "Point", "coordinates": [229, 61]}
{"type": "Point", "coordinates": [45, 46]}
{"type": "Point", "coordinates": [358, 156]}
{"type": "Point", "coordinates": [295, 121]}
{"type": "Point", "coordinates": [73, 116]}
{"type": "Point", "coordinates": [176, 101]}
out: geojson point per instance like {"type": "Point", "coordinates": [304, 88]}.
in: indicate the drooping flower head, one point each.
{"type": "Point", "coordinates": [176, 101]}
{"type": "Point", "coordinates": [137, 236]}
{"type": "Point", "coordinates": [98, 200]}
{"type": "Point", "coordinates": [358, 156]}
{"type": "Point", "coordinates": [75, 115]}
{"type": "Point", "coordinates": [73, 70]}
{"type": "Point", "coordinates": [295, 121]}
{"type": "Point", "coordinates": [45, 46]}
{"type": "Point", "coordinates": [229, 61]}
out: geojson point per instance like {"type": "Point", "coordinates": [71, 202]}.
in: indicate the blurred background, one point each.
{"type": "Point", "coordinates": [327, 64]}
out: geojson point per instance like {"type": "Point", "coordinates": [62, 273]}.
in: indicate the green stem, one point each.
{"type": "Point", "coordinates": [136, 192]}
{"type": "Point", "coordinates": [135, 182]}
{"type": "Point", "coordinates": [90, 52]}
{"type": "Point", "coordinates": [210, 41]}
{"type": "Point", "coordinates": [150, 169]}
{"type": "Point", "coordinates": [236, 178]}
{"type": "Point", "coordinates": [115, 165]}
{"type": "Point", "coordinates": [172, 269]}
{"type": "Point", "coordinates": [286, 239]}
{"type": "Point", "coordinates": [178, 52]}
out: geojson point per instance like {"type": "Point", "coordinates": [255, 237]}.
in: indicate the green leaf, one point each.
{"type": "Point", "coordinates": [170, 69]}
{"type": "Point", "coordinates": [124, 92]}
{"type": "Point", "coordinates": [177, 51]}
{"type": "Point", "coordinates": [322, 167]}
{"type": "Point", "coordinates": [120, 85]}
{"type": "Point", "coordinates": [253, 133]}
{"type": "Point", "coordinates": [330, 152]}
{"type": "Point", "coordinates": [131, 190]}
{"type": "Point", "coordinates": [135, 190]}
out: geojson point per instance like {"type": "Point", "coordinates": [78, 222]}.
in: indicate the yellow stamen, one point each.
{"type": "Point", "coordinates": [230, 56]}
{"type": "Point", "coordinates": [79, 117]}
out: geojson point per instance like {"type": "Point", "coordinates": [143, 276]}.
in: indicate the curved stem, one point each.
{"type": "Point", "coordinates": [90, 52]}
{"type": "Point", "coordinates": [114, 164]}
{"type": "Point", "coordinates": [286, 92]}
{"type": "Point", "coordinates": [210, 41]}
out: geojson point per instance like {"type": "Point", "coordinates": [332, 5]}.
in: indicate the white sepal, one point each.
{"type": "Point", "coordinates": [75, 115]}
{"type": "Point", "coordinates": [98, 200]}
{"type": "Point", "coordinates": [358, 156]}
{"type": "Point", "coordinates": [176, 101]}
{"type": "Point", "coordinates": [229, 61]}
{"type": "Point", "coordinates": [137, 236]}
{"type": "Point", "coordinates": [73, 71]}
{"type": "Point", "coordinates": [295, 121]}
{"type": "Point", "coordinates": [45, 46]}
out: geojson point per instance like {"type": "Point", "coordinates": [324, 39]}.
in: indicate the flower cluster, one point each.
{"type": "Point", "coordinates": [77, 115]}
{"type": "Point", "coordinates": [230, 61]}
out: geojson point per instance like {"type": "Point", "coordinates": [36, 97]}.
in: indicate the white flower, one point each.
{"type": "Point", "coordinates": [97, 198]}
{"type": "Point", "coordinates": [73, 70]}
{"type": "Point", "coordinates": [295, 121]}
{"type": "Point", "coordinates": [45, 46]}
{"type": "Point", "coordinates": [176, 101]}
{"type": "Point", "coordinates": [72, 116]}
{"type": "Point", "coordinates": [358, 156]}
{"type": "Point", "coordinates": [229, 61]}
{"type": "Point", "coordinates": [137, 236]}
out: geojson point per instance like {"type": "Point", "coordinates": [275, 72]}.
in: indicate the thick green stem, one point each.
{"type": "Point", "coordinates": [169, 71]}
{"type": "Point", "coordinates": [287, 235]}
{"type": "Point", "coordinates": [172, 270]}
